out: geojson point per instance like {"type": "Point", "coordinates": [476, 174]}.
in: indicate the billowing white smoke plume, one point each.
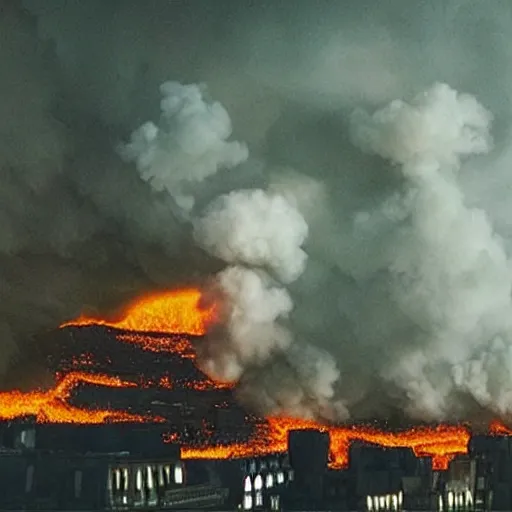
{"type": "Point", "coordinates": [449, 274]}
{"type": "Point", "coordinates": [255, 306]}
{"type": "Point", "coordinates": [255, 228]}
{"type": "Point", "coordinates": [188, 145]}
{"type": "Point", "coordinates": [260, 233]}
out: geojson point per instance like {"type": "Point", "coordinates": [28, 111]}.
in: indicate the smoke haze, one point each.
{"type": "Point", "coordinates": [341, 169]}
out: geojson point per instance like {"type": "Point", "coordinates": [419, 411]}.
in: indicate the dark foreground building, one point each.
{"type": "Point", "coordinates": [127, 467]}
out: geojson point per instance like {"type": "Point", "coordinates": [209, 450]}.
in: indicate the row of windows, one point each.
{"type": "Point", "coordinates": [387, 502]}
{"type": "Point", "coordinates": [147, 477]}
{"type": "Point", "coordinates": [257, 502]}
{"type": "Point", "coordinates": [260, 466]}
{"type": "Point", "coordinates": [456, 501]}
{"type": "Point", "coordinates": [267, 481]}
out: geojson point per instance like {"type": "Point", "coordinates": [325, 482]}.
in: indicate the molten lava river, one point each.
{"type": "Point", "coordinates": [179, 312]}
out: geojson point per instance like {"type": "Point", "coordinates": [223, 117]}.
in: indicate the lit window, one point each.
{"type": "Point", "coordinates": [258, 483]}
{"type": "Point", "coordinates": [369, 503]}
{"type": "Point", "coordinates": [280, 478]}
{"type": "Point", "coordinates": [247, 484]}
{"type": "Point", "coordinates": [161, 476]}
{"type": "Point", "coordinates": [167, 470]}
{"type": "Point", "coordinates": [138, 481]}
{"type": "Point", "coordinates": [269, 481]}
{"type": "Point", "coordinates": [247, 502]}
{"type": "Point", "coordinates": [117, 479]}
{"type": "Point", "coordinates": [150, 478]}
{"type": "Point", "coordinates": [259, 499]}
{"type": "Point", "coordinates": [178, 474]}
{"type": "Point", "coordinates": [125, 479]}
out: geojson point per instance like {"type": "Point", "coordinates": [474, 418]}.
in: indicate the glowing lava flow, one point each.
{"type": "Point", "coordinates": [441, 443]}
{"type": "Point", "coordinates": [52, 407]}
{"type": "Point", "coordinates": [174, 345]}
{"type": "Point", "coordinates": [179, 313]}
{"type": "Point", "coordinates": [176, 312]}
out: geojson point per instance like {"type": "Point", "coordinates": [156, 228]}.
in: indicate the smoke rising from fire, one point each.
{"type": "Point", "coordinates": [403, 212]}
{"type": "Point", "coordinates": [260, 232]}
{"type": "Point", "coordinates": [188, 145]}
{"type": "Point", "coordinates": [447, 270]}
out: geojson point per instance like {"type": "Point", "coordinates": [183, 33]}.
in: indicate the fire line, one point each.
{"type": "Point", "coordinates": [175, 312]}
{"type": "Point", "coordinates": [52, 406]}
{"type": "Point", "coordinates": [178, 312]}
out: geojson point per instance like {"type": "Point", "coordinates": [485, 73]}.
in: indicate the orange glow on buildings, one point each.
{"type": "Point", "coordinates": [441, 443]}
{"type": "Point", "coordinates": [174, 312]}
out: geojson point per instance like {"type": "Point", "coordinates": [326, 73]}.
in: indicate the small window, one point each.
{"type": "Point", "coordinates": [78, 483]}
{"type": "Point", "coordinates": [161, 477]}
{"type": "Point", "coordinates": [126, 481]}
{"type": "Point", "coordinates": [178, 474]}
{"type": "Point", "coordinates": [138, 481]}
{"type": "Point", "coordinates": [247, 502]}
{"type": "Point", "coordinates": [150, 477]}
{"type": "Point", "coordinates": [117, 479]}
{"type": "Point", "coordinates": [29, 482]}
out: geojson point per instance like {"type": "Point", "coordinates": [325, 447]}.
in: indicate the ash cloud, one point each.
{"type": "Point", "coordinates": [356, 216]}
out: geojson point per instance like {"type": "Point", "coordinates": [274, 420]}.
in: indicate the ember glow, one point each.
{"type": "Point", "coordinates": [52, 406]}
{"type": "Point", "coordinates": [175, 345]}
{"type": "Point", "coordinates": [170, 317]}
{"type": "Point", "coordinates": [441, 443]}
{"type": "Point", "coordinates": [175, 312]}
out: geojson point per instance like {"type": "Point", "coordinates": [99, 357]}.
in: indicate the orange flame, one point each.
{"type": "Point", "coordinates": [497, 428]}
{"type": "Point", "coordinates": [52, 407]}
{"type": "Point", "coordinates": [175, 312]}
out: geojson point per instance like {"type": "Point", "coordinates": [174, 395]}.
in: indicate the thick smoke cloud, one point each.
{"type": "Point", "coordinates": [188, 145]}
{"type": "Point", "coordinates": [390, 185]}
{"type": "Point", "coordinates": [261, 232]}
{"type": "Point", "coordinates": [448, 272]}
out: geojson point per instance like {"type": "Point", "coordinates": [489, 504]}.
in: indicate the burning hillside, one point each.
{"type": "Point", "coordinates": [168, 361]}
{"type": "Point", "coordinates": [53, 406]}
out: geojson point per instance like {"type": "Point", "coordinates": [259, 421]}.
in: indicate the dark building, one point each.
{"type": "Point", "coordinates": [57, 467]}
{"type": "Point", "coordinates": [308, 451]}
